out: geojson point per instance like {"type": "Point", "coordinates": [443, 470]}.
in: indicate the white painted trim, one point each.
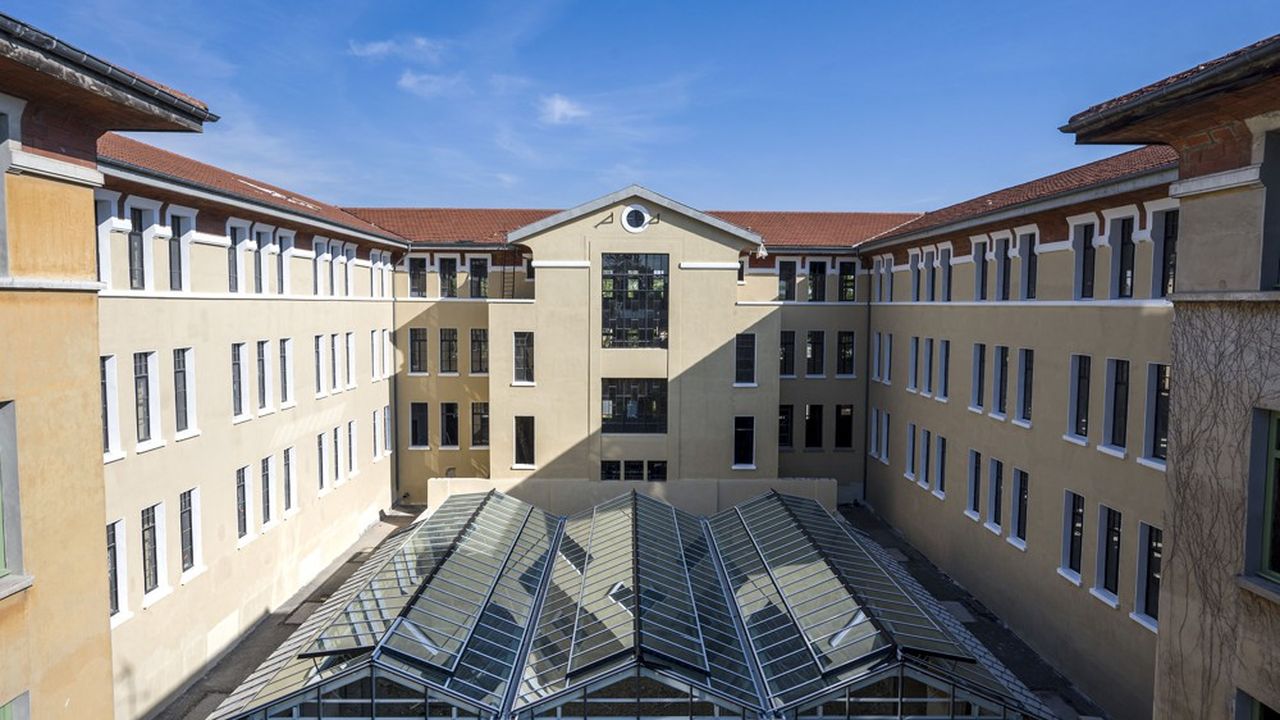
{"type": "Point", "coordinates": [1110, 215]}
{"type": "Point", "coordinates": [204, 238]}
{"type": "Point", "coordinates": [1248, 176]}
{"type": "Point", "coordinates": [540, 264]}
{"type": "Point", "coordinates": [1048, 247]}
{"type": "Point", "coordinates": [1118, 303]}
{"type": "Point", "coordinates": [21, 162]}
{"type": "Point", "coordinates": [36, 283]}
{"type": "Point", "coordinates": [708, 266]}
{"type": "Point", "coordinates": [1150, 208]}
{"type": "Point", "coordinates": [169, 294]}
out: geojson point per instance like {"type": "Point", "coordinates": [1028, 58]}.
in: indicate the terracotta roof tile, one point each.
{"type": "Point", "coordinates": [149, 159]}
{"type": "Point", "coordinates": [1134, 162]}
{"type": "Point", "coordinates": [814, 229]}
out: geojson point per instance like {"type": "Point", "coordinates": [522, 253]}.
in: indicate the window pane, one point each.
{"type": "Point", "coordinates": [634, 405]}
{"type": "Point", "coordinates": [634, 300]}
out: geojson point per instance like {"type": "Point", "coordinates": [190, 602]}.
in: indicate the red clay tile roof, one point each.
{"type": "Point", "coordinates": [1191, 74]}
{"type": "Point", "coordinates": [127, 152]}
{"type": "Point", "coordinates": [483, 226]}
{"type": "Point", "coordinates": [1134, 162]}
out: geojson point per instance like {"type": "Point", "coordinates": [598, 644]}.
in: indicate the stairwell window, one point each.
{"type": "Point", "coordinates": [745, 360]}
{"type": "Point", "coordinates": [523, 344]}
{"type": "Point", "coordinates": [1026, 382]}
{"type": "Point", "coordinates": [479, 351]}
{"type": "Point", "coordinates": [813, 430]}
{"type": "Point", "coordinates": [1156, 445]}
{"type": "Point", "coordinates": [744, 443]}
{"type": "Point", "coordinates": [1078, 418]}
{"type": "Point", "coordinates": [1072, 536]}
{"type": "Point", "coordinates": [634, 290]}
{"type": "Point", "coordinates": [1116, 421]}
{"type": "Point", "coordinates": [524, 445]}
{"type": "Point", "coordinates": [448, 270]}
{"type": "Point", "coordinates": [448, 351]}
{"type": "Point", "coordinates": [633, 405]}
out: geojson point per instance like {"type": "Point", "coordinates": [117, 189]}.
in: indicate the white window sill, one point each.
{"type": "Point", "coordinates": [995, 529]}
{"type": "Point", "coordinates": [479, 447]}
{"type": "Point", "coordinates": [1020, 544]}
{"type": "Point", "coordinates": [265, 411]}
{"type": "Point", "coordinates": [419, 447]}
{"type": "Point", "coordinates": [909, 475]}
{"type": "Point", "coordinates": [940, 494]}
{"type": "Point", "coordinates": [845, 376]}
{"type": "Point", "coordinates": [1153, 463]}
{"type": "Point", "coordinates": [942, 398]}
{"type": "Point", "coordinates": [237, 419]}
{"type": "Point", "coordinates": [972, 515]}
{"type": "Point", "coordinates": [287, 405]}
{"type": "Point", "coordinates": [351, 386]}
{"type": "Point", "coordinates": [449, 374]}
{"type": "Point", "coordinates": [926, 393]}
{"type": "Point", "coordinates": [975, 409]}
{"type": "Point", "coordinates": [186, 434]}
{"type": "Point", "coordinates": [189, 575]}
{"type": "Point", "coordinates": [324, 491]}
{"type": "Point", "coordinates": [1112, 450]}
{"type": "Point", "coordinates": [290, 512]}
{"type": "Point", "coordinates": [110, 457]}
{"type": "Point", "coordinates": [148, 446]}
{"type": "Point", "coordinates": [478, 374]}
{"type": "Point", "coordinates": [120, 618]}
{"type": "Point", "coordinates": [413, 374]}
{"type": "Point", "coordinates": [523, 383]}
{"type": "Point", "coordinates": [1145, 621]}
{"type": "Point", "coordinates": [268, 525]}
{"type": "Point", "coordinates": [884, 459]}
{"type": "Point", "coordinates": [155, 596]}
{"type": "Point", "coordinates": [911, 390]}
{"type": "Point", "coordinates": [998, 416]}
{"type": "Point", "coordinates": [820, 376]}
{"type": "Point", "coordinates": [321, 395]}
{"type": "Point", "coordinates": [241, 542]}
{"type": "Point", "coordinates": [449, 447]}
{"type": "Point", "coordinates": [1024, 424]}
{"type": "Point", "coordinates": [1070, 576]}
{"type": "Point", "coordinates": [743, 467]}
{"type": "Point", "coordinates": [887, 382]}
{"type": "Point", "coordinates": [14, 584]}
{"type": "Point", "coordinates": [1106, 597]}
{"type": "Point", "coordinates": [335, 390]}
{"type": "Point", "coordinates": [520, 466]}
{"type": "Point", "coordinates": [746, 385]}
{"type": "Point", "coordinates": [1076, 440]}
{"type": "Point", "coordinates": [786, 377]}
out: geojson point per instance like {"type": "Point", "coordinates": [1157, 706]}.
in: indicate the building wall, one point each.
{"type": "Point", "coordinates": [1057, 613]}
{"type": "Point", "coordinates": [283, 549]}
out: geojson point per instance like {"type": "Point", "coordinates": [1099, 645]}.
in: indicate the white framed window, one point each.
{"type": "Point", "coordinates": [285, 240]}
{"type": "Point", "coordinates": [266, 493]}
{"type": "Point", "coordinates": [143, 217]}
{"type": "Point", "coordinates": [261, 248]}
{"type": "Point", "coordinates": [928, 367]}
{"type": "Point", "coordinates": [1155, 440]}
{"type": "Point", "coordinates": [106, 204]}
{"type": "Point", "coordinates": [388, 353]}
{"type": "Point", "coordinates": [318, 354]}
{"type": "Point", "coordinates": [980, 271]}
{"type": "Point", "coordinates": [182, 225]}
{"type": "Point", "coordinates": [322, 455]}
{"type": "Point", "coordinates": [913, 261]}
{"type": "Point", "coordinates": [931, 275]}
{"type": "Point", "coordinates": [877, 286]}
{"type": "Point", "coordinates": [237, 241]}
{"type": "Point", "coordinates": [1004, 275]}
{"type": "Point", "coordinates": [1084, 236]}
{"type": "Point", "coordinates": [155, 582]}
{"type": "Point", "coordinates": [884, 436]}
{"type": "Point", "coordinates": [1000, 377]}
{"type": "Point", "coordinates": [349, 269]}
{"type": "Point", "coordinates": [873, 447]}
{"type": "Point", "coordinates": [887, 364]}
{"type": "Point", "coordinates": [1115, 420]}
{"type": "Point", "coordinates": [926, 457]}
{"type": "Point", "coordinates": [913, 364]}
{"type": "Point", "coordinates": [978, 378]}
{"type": "Point", "coordinates": [335, 444]}
{"type": "Point", "coordinates": [374, 429]}
{"type": "Point", "coordinates": [117, 573]}
{"type": "Point", "coordinates": [995, 496]}
{"type": "Point", "coordinates": [244, 506]}
{"type": "Point", "coordinates": [1078, 400]}
{"type": "Point", "coordinates": [239, 384]}
{"type": "Point", "coordinates": [940, 466]}
{"type": "Point", "coordinates": [264, 367]}
{"type": "Point", "coordinates": [387, 435]}
{"type": "Point", "coordinates": [353, 467]}
{"type": "Point", "coordinates": [1121, 230]}
{"type": "Point", "coordinates": [146, 394]}
{"type": "Point", "coordinates": [1018, 508]}
{"type": "Point", "coordinates": [975, 485]}
{"type": "Point", "coordinates": [875, 356]}
{"type": "Point", "coordinates": [375, 363]}
{"type": "Point", "coordinates": [909, 460]}
{"type": "Point", "coordinates": [287, 386]}
{"type": "Point", "coordinates": [288, 484]}
{"type": "Point", "coordinates": [318, 250]}
{"type": "Point", "coordinates": [1029, 265]}
{"type": "Point", "coordinates": [351, 360]}
{"type": "Point", "coordinates": [1146, 604]}
{"type": "Point", "coordinates": [1072, 536]}
{"type": "Point", "coordinates": [334, 383]}
{"type": "Point", "coordinates": [744, 360]}
{"type": "Point", "coordinates": [1026, 383]}
{"type": "Point", "coordinates": [944, 264]}
{"type": "Point", "coordinates": [108, 380]}
{"type": "Point", "coordinates": [944, 371]}
{"type": "Point", "coordinates": [185, 417]}
{"type": "Point", "coordinates": [1106, 580]}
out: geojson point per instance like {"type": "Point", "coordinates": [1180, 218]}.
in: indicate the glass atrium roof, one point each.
{"type": "Point", "coordinates": [493, 608]}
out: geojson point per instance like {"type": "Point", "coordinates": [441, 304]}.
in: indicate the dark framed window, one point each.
{"type": "Point", "coordinates": [1109, 572]}
{"type": "Point", "coordinates": [944, 369]}
{"type": "Point", "coordinates": [1075, 531]}
{"type": "Point", "coordinates": [448, 350]}
{"type": "Point", "coordinates": [1088, 258]}
{"type": "Point", "coordinates": [1002, 379]}
{"type": "Point", "coordinates": [242, 503]}
{"type": "Point", "coordinates": [104, 363]}
{"type": "Point", "coordinates": [996, 512]}
{"type": "Point", "coordinates": [787, 353]}
{"type": "Point", "coordinates": [1026, 382]}
{"type": "Point", "coordinates": [1160, 413]}
{"type": "Point", "coordinates": [479, 351]}
{"type": "Point", "coordinates": [150, 561]}
{"type": "Point", "coordinates": [657, 470]}
{"type": "Point", "coordinates": [979, 374]}
{"type": "Point", "coordinates": [417, 350]}
{"type": "Point", "coordinates": [319, 339]}
{"type": "Point", "coordinates": [745, 359]}
{"type": "Point", "coordinates": [113, 570]}
{"type": "Point", "coordinates": [848, 284]}
{"type": "Point", "coordinates": [1152, 555]}
{"type": "Point", "coordinates": [634, 300]}
{"type": "Point", "coordinates": [286, 478]}
{"type": "Point", "coordinates": [610, 469]}
{"type": "Point", "coordinates": [633, 470]}
{"type": "Point", "coordinates": [1030, 266]}
{"type": "Point", "coordinates": [844, 426]}
{"type": "Point", "coordinates": [449, 424]}
{"type": "Point", "coordinates": [930, 277]}
{"type": "Point", "coordinates": [944, 259]}
{"type": "Point", "coordinates": [744, 441]}
{"type": "Point", "coordinates": [142, 395]}
{"type": "Point", "coordinates": [386, 429]}
{"type": "Point", "coordinates": [259, 247]}
{"type": "Point", "coordinates": [1005, 264]}
{"type": "Point", "coordinates": [1083, 365]}
{"type": "Point", "coordinates": [975, 480]}
{"type": "Point", "coordinates": [815, 352]}
{"type": "Point", "coordinates": [478, 278]}
{"type": "Point", "coordinates": [1119, 403]}
{"type": "Point", "coordinates": [634, 405]}
{"type": "Point", "coordinates": [844, 352]}
{"type": "Point", "coordinates": [1124, 278]}
{"type": "Point", "coordinates": [233, 261]}
{"type": "Point", "coordinates": [742, 270]}
{"type": "Point", "coordinates": [524, 430]}
{"type": "Point", "coordinates": [337, 456]}
{"type": "Point", "coordinates": [419, 424]}
{"type": "Point", "coordinates": [137, 257]}
{"type": "Point", "coordinates": [479, 424]}
{"type": "Point", "coordinates": [448, 277]}
{"type": "Point", "coordinates": [813, 426]}
{"type": "Point", "coordinates": [286, 370]}
{"type": "Point", "coordinates": [1269, 555]}
{"type": "Point", "coordinates": [981, 271]}
{"type": "Point", "coordinates": [786, 426]}
{"type": "Point", "coordinates": [1021, 493]}
{"type": "Point", "coordinates": [941, 466]}
{"type": "Point", "coordinates": [523, 344]}
{"type": "Point", "coordinates": [1169, 254]}
{"type": "Point", "coordinates": [262, 373]}
{"type": "Point", "coordinates": [177, 228]}
{"type": "Point", "coordinates": [264, 475]}
{"type": "Point", "coordinates": [333, 361]}
{"type": "Point", "coordinates": [817, 281]}
{"type": "Point", "coordinates": [417, 277]}
{"type": "Point", "coordinates": [320, 460]}
{"type": "Point", "coordinates": [787, 279]}
{"type": "Point", "coordinates": [181, 416]}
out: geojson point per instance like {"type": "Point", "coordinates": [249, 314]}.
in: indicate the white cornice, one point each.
{"type": "Point", "coordinates": [1249, 176]}
{"type": "Point", "coordinates": [19, 162]}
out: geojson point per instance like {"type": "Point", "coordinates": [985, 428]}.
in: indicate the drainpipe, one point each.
{"type": "Point", "coordinates": [866, 389]}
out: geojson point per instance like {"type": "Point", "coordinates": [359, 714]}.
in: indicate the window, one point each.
{"type": "Point", "coordinates": [657, 470]}
{"type": "Point", "coordinates": [944, 259]}
{"type": "Point", "coordinates": [353, 452]}
{"type": "Point", "coordinates": [1168, 254]}
{"type": "Point", "coordinates": [787, 279]}
{"type": "Point", "coordinates": [1021, 493]}
{"type": "Point", "coordinates": [817, 281]}
{"type": "Point", "coordinates": [183, 390]}
{"type": "Point", "coordinates": [386, 429]}
{"type": "Point", "coordinates": [742, 271]}
{"type": "Point", "coordinates": [940, 467]}
{"type": "Point", "coordinates": [374, 430]}
{"type": "Point", "coordinates": [1004, 265]}
{"type": "Point", "coordinates": [1026, 381]}
{"type": "Point", "coordinates": [337, 457]}
{"type": "Point", "coordinates": [478, 277]}
{"type": "Point", "coordinates": [351, 360]}
{"type": "Point", "coordinates": [286, 371]}
{"type": "Point", "coordinates": [610, 470]}
{"type": "Point", "coordinates": [264, 393]}
{"type": "Point", "coordinates": [177, 228]}
{"type": "Point", "coordinates": [633, 470]}
{"type": "Point", "coordinates": [744, 442]}
{"type": "Point", "coordinates": [884, 437]}
{"type": "Point", "coordinates": [523, 343]}
{"type": "Point", "coordinates": [848, 282]}
{"type": "Point", "coordinates": [744, 372]}
{"type": "Point", "coordinates": [417, 277]}
{"type": "Point", "coordinates": [448, 425]}
{"type": "Point", "coordinates": [1250, 709]}
{"type": "Point", "coordinates": [634, 300]}
{"type": "Point", "coordinates": [448, 268]}
{"type": "Point", "coordinates": [418, 425]}
{"type": "Point", "coordinates": [1002, 380]}
{"type": "Point", "coordinates": [242, 503]}
{"type": "Point", "coordinates": [1263, 556]}
{"type": "Point", "coordinates": [233, 260]}
{"type": "Point", "coordinates": [634, 405]}
{"type": "Point", "coordinates": [115, 567]}
{"type": "Point", "coordinates": [995, 496]}
{"type": "Point", "coordinates": [319, 366]}
{"type": "Point", "coordinates": [876, 341]}
{"type": "Point", "coordinates": [259, 246]}
{"type": "Point", "coordinates": [944, 370]}
{"type": "Point", "coordinates": [980, 271]}
{"type": "Point", "coordinates": [320, 460]}
{"type": "Point", "coordinates": [145, 401]}
{"type": "Point", "coordinates": [150, 551]}
{"type": "Point", "coordinates": [237, 379]}
{"type": "Point", "coordinates": [931, 276]}
{"type": "Point", "coordinates": [1157, 445]}
{"type": "Point", "coordinates": [886, 363]}
{"type": "Point", "coordinates": [815, 354]}
{"type": "Point", "coordinates": [110, 411]}
{"type": "Point", "coordinates": [844, 353]}
{"type": "Point", "coordinates": [787, 354]}
{"type": "Point", "coordinates": [873, 431]}
{"type": "Point", "coordinates": [928, 366]}
{"type": "Point", "coordinates": [264, 476]}
{"type": "Point", "coordinates": [813, 426]}
{"type": "Point", "coordinates": [479, 424]}
{"type": "Point", "coordinates": [1072, 535]}
{"type": "Point", "coordinates": [1030, 264]}
{"type": "Point", "coordinates": [286, 479]}
{"type": "Point", "coordinates": [978, 382]}
{"type": "Point", "coordinates": [913, 364]}
{"type": "Point", "coordinates": [1086, 259]}
{"type": "Point", "coordinates": [388, 352]}
{"type": "Point", "coordinates": [786, 426]}
{"type": "Point", "coordinates": [975, 483]}
{"type": "Point", "coordinates": [524, 441]}
{"type": "Point", "coordinates": [1116, 430]}
{"type": "Point", "coordinates": [915, 276]}
{"type": "Point", "coordinates": [1080, 370]}
{"type": "Point", "coordinates": [1150, 554]}
{"type": "Point", "coordinates": [448, 351]}
{"type": "Point", "coordinates": [926, 450]}
{"type": "Point", "coordinates": [1107, 578]}
{"type": "Point", "coordinates": [1123, 251]}
{"type": "Point", "coordinates": [283, 252]}
{"type": "Point", "coordinates": [137, 256]}
{"type": "Point", "coordinates": [318, 249]}
{"type": "Point", "coordinates": [479, 351]}
{"type": "Point", "coordinates": [909, 458]}
{"type": "Point", "coordinates": [333, 362]}
{"type": "Point", "coordinates": [417, 350]}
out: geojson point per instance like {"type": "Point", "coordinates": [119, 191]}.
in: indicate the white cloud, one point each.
{"type": "Point", "coordinates": [430, 85]}
{"type": "Point", "coordinates": [414, 49]}
{"type": "Point", "coordinates": [559, 110]}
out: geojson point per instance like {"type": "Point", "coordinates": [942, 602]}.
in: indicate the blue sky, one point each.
{"type": "Point", "coordinates": [722, 105]}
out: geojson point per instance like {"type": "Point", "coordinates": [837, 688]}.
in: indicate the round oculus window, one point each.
{"type": "Point", "coordinates": [635, 218]}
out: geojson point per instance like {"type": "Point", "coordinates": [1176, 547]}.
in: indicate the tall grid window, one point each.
{"type": "Point", "coordinates": [352, 453]}
{"type": "Point", "coordinates": [336, 446]}
{"type": "Point", "coordinates": [177, 228]}
{"type": "Point", "coordinates": [150, 551]}
{"type": "Point", "coordinates": [106, 383]}
{"type": "Point", "coordinates": [931, 276]}
{"type": "Point", "coordinates": [142, 394]}
{"type": "Point", "coordinates": [634, 300]}
{"type": "Point", "coordinates": [928, 366]}
{"type": "Point", "coordinates": [418, 425]}
{"type": "Point", "coordinates": [844, 427]}
{"type": "Point", "coordinates": [417, 350]}
{"type": "Point", "coordinates": [1151, 554]}
{"type": "Point", "coordinates": [386, 429]}
{"type": "Point", "coordinates": [813, 426]}
{"type": "Point", "coordinates": [1124, 253]}
{"type": "Point", "coordinates": [479, 351]}
{"type": "Point", "coordinates": [523, 343]}
{"type": "Point", "coordinates": [264, 477]}
{"type": "Point", "coordinates": [817, 281]}
{"type": "Point", "coordinates": [286, 478]}
{"type": "Point", "coordinates": [915, 277]}
{"type": "Point", "coordinates": [1030, 265]}
{"type": "Point", "coordinates": [1158, 440]}
{"type": "Point", "coordinates": [320, 458]}
{"type": "Point", "coordinates": [940, 467]}
{"type": "Point", "coordinates": [137, 258]}
{"type": "Point", "coordinates": [745, 359]}
{"type": "Point", "coordinates": [262, 374]}
{"type": "Point", "coordinates": [815, 352]}
{"type": "Point", "coordinates": [181, 389]}
{"type": "Point", "coordinates": [417, 277]}
{"type": "Point", "coordinates": [980, 271]}
{"type": "Point", "coordinates": [448, 277]}
{"type": "Point", "coordinates": [944, 259]}
{"type": "Point", "coordinates": [186, 529]}
{"type": "Point", "coordinates": [975, 483]}
{"type": "Point", "coordinates": [242, 503]}
{"type": "Point", "coordinates": [926, 456]}
{"type": "Point", "coordinates": [979, 394]}
{"type": "Point", "coordinates": [1072, 533]}
{"type": "Point", "coordinates": [845, 353]}
{"type": "Point", "coordinates": [1080, 372]}
{"type": "Point", "coordinates": [1086, 260]}
{"type": "Point", "coordinates": [233, 260]}
{"type": "Point", "coordinates": [333, 362]}
{"type": "Point", "coordinates": [1005, 265]}
{"type": "Point", "coordinates": [787, 279]}
{"type": "Point", "coordinates": [787, 353]}
{"type": "Point", "coordinates": [786, 426]}
{"type": "Point", "coordinates": [524, 432]}
{"type": "Point", "coordinates": [1026, 381]}
{"type": "Point", "coordinates": [995, 508]}
{"type": "Point", "coordinates": [1108, 574]}
{"type": "Point", "coordinates": [351, 359]}
{"type": "Point", "coordinates": [1168, 254]}
{"type": "Point", "coordinates": [448, 424]}
{"type": "Point", "coordinates": [479, 424]}
{"type": "Point", "coordinates": [478, 277]}
{"type": "Point", "coordinates": [259, 247]}
{"type": "Point", "coordinates": [848, 281]}
{"type": "Point", "coordinates": [319, 358]}
{"type": "Point", "coordinates": [913, 364]}
{"type": "Point", "coordinates": [1268, 548]}
{"type": "Point", "coordinates": [744, 441]}
{"type": "Point", "coordinates": [1002, 379]}
{"type": "Point", "coordinates": [448, 350]}
{"type": "Point", "coordinates": [286, 371]}
{"type": "Point", "coordinates": [1021, 494]}
{"type": "Point", "coordinates": [113, 567]}
{"type": "Point", "coordinates": [1117, 433]}
{"type": "Point", "coordinates": [634, 405]}
{"type": "Point", "coordinates": [944, 370]}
